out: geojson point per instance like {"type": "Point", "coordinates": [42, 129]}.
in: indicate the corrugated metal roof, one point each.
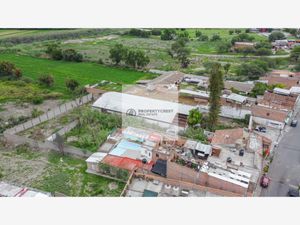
{"type": "Point", "coordinates": [121, 102]}
{"type": "Point", "coordinates": [236, 97]}
{"type": "Point", "coordinates": [96, 157]}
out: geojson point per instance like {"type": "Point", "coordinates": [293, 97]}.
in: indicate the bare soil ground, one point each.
{"type": "Point", "coordinates": [12, 109]}
{"type": "Point", "coordinates": [52, 172]}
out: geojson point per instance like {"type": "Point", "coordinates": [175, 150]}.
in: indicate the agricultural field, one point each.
{"type": "Point", "coordinates": [85, 73]}
{"type": "Point", "coordinates": [97, 47]}
{"type": "Point", "coordinates": [52, 172]}
{"type": "Point", "coordinates": [9, 33]}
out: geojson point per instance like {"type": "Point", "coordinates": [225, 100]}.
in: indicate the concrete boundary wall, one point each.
{"type": "Point", "coordinates": [46, 145]}
{"type": "Point", "coordinates": [53, 113]}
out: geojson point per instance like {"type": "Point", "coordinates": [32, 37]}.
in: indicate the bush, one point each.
{"type": "Point", "coordinates": [72, 84]}
{"type": "Point", "coordinates": [100, 61]}
{"type": "Point", "coordinates": [215, 37]}
{"type": "Point", "coordinates": [9, 69]}
{"type": "Point", "coordinates": [46, 80]}
{"type": "Point", "coordinates": [156, 32]}
{"type": "Point", "coordinates": [35, 113]}
{"type": "Point", "coordinates": [71, 55]}
{"type": "Point", "coordinates": [139, 33]}
{"type": "Point", "coordinates": [37, 100]}
{"type": "Point", "coordinates": [203, 38]}
{"type": "Point", "coordinates": [168, 34]}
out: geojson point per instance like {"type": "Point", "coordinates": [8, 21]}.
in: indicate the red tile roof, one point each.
{"type": "Point", "coordinates": [125, 163]}
{"type": "Point", "coordinates": [288, 82]}
{"type": "Point", "coordinates": [268, 113]}
{"type": "Point", "coordinates": [278, 101]}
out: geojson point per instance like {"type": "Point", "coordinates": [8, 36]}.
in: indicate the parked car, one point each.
{"type": "Point", "coordinates": [294, 123]}
{"type": "Point", "coordinates": [261, 129]}
{"type": "Point", "coordinates": [293, 192]}
{"type": "Point", "coordinates": [264, 181]}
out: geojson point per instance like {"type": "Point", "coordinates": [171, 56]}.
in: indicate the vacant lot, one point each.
{"type": "Point", "coordinates": [84, 73]}
{"type": "Point", "coordinates": [53, 173]}
{"type": "Point", "coordinates": [92, 129]}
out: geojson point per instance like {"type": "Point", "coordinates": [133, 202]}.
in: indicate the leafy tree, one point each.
{"type": "Point", "coordinates": [259, 89]}
{"type": "Point", "coordinates": [194, 117]}
{"type": "Point", "coordinates": [184, 34]}
{"type": "Point", "coordinates": [237, 31]}
{"type": "Point", "coordinates": [215, 37]}
{"type": "Point", "coordinates": [263, 51]}
{"type": "Point", "coordinates": [139, 33]}
{"type": "Point", "coordinates": [198, 33]}
{"type": "Point", "coordinates": [55, 51]}
{"type": "Point", "coordinates": [224, 47]}
{"type": "Point", "coordinates": [46, 80]}
{"type": "Point", "coordinates": [131, 59]}
{"type": "Point", "coordinates": [156, 32]}
{"type": "Point", "coordinates": [9, 69]}
{"type": "Point", "coordinates": [295, 54]}
{"type": "Point", "coordinates": [181, 52]}
{"type": "Point", "coordinates": [118, 53]}
{"type": "Point", "coordinates": [142, 60]}
{"type": "Point", "coordinates": [72, 84]}
{"type": "Point", "coordinates": [231, 32]}
{"type": "Point", "coordinates": [276, 35]}
{"type": "Point", "coordinates": [71, 55]}
{"type": "Point", "coordinates": [242, 38]}
{"type": "Point", "coordinates": [168, 34]}
{"type": "Point", "coordinates": [252, 70]}
{"type": "Point", "coordinates": [216, 85]}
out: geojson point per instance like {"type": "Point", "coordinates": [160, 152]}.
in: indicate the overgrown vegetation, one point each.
{"type": "Point", "coordinates": [92, 129]}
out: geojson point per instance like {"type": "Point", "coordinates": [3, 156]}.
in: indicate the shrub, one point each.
{"type": "Point", "coordinates": [203, 38]}
{"type": "Point", "coordinates": [35, 113]}
{"type": "Point", "coordinates": [72, 84]}
{"type": "Point", "coordinates": [46, 80]}
{"type": "Point", "coordinates": [37, 100]}
{"type": "Point", "coordinates": [71, 55]}
{"type": "Point", "coordinates": [156, 32]}
{"type": "Point", "coordinates": [215, 37]}
{"type": "Point", "coordinates": [9, 69]}
{"type": "Point", "coordinates": [139, 33]}
{"type": "Point", "coordinates": [168, 34]}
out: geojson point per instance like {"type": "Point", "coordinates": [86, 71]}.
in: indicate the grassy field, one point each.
{"type": "Point", "coordinates": [9, 33]}
{"type": "Point", "coordinates": [53, 173]}
{"type": "Point", "coordinates": [84, 73]}
{"type": "Point", "coordinates": [98, 47]}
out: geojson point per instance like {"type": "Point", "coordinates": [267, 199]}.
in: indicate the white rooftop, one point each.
{"type": "Point", "coordinates": [295, 90]}
{"type": "Point", "coordinates": [96, 157]}
{"type": "Point", "coordinates": [204, 94]}
{"type": "Point", "coordinates": [237, 177]}
{"type": "Point", "coordinates": [236, 97]}
{"type": "Point", "coordinates": [150, 108]}
{"type": "Point", "coordinates": [281, 91]}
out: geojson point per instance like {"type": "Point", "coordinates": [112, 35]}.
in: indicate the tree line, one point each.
{"type": "Point", "coordinates": [130, 57]}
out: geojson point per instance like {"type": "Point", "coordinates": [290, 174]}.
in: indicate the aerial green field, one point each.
{"type": "Point", "coordinates": [9, 33]}
{"type": "Point", "coordinates": [84, 73]}
{"type": "Point", "coordinates": [98, 46]}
